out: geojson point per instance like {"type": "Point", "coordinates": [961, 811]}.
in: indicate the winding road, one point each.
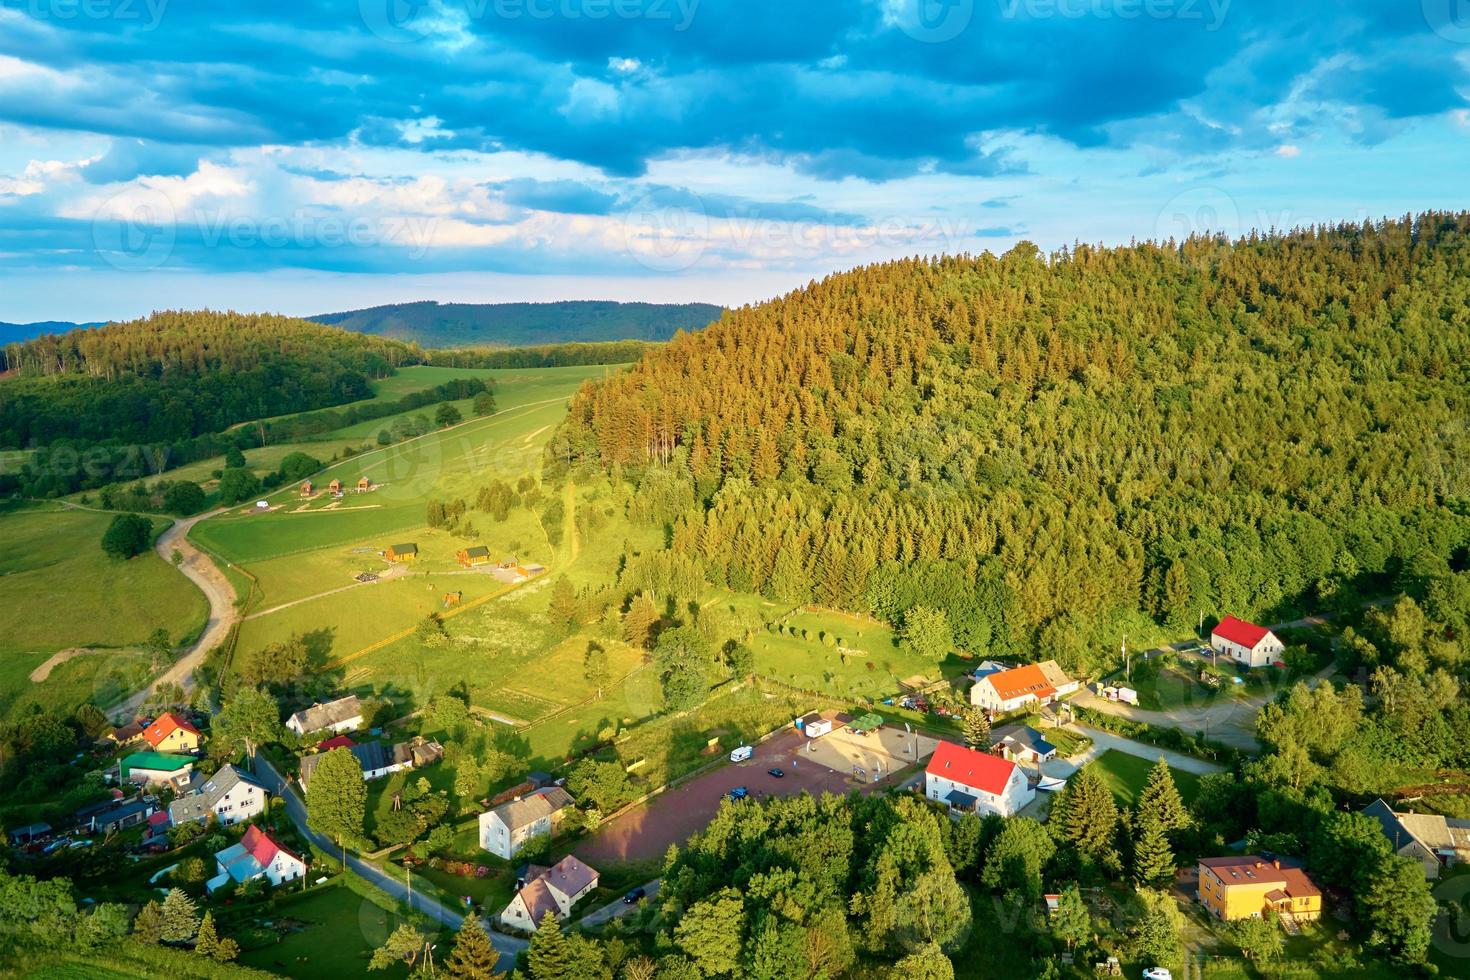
{"type": "Point", "coordinates": [202, 571]}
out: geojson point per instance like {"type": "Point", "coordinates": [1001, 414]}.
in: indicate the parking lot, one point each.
{"type": "Point", "coordinates": [674, 816]}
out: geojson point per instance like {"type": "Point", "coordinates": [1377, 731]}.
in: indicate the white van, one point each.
{"type": "Point", "coordinates": [742, 753]}
{"type": "Point", "coordinates": [816, 729]}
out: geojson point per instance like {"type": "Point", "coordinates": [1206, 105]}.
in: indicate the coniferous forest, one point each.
{"type": "Point", "coordinates": [1045, 446]}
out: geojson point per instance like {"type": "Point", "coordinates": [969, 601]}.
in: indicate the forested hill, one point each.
{"type": "Point", "coordinates": [1049, 448]}
{"type": "Point", "coordinates": [524, 324]}
{"type": "Point", "coordinates": [178, 375]}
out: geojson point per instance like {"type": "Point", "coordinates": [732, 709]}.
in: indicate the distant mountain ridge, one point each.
{"type": "Point", "coordinates": [11, 333]}
{"type": "Point", "coordinates": [434, 324]}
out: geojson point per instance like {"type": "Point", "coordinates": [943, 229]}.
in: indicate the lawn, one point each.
{"type": "Point", "coordinates": [1126, 775]}
{"type": "Point", "coordinates": [335, 934]}
{"type": "Point", "coordinates": [59, 591]}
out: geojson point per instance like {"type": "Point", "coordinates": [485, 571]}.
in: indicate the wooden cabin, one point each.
{"type": "Point", "coordinates": [364, 485]}
{"type": "Point", "coordinates": [470, 557]}
{"type": "Point", "coordinates": [335, 486]}
{"type": "Point", "coordinates": [307, 489]}
{"type": "Point", "coordinates": [401, 552]}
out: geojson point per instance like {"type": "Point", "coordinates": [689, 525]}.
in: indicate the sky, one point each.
{"type": "Point", "coordinates": [306, 156]}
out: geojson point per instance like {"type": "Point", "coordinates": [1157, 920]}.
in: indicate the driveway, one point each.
{"type": "Point", "coordinates": [1103, 741]}
{"type": "Point", "coordinates": [508, 946]}
{"type": "Point", "coordinates": [619, 909]}
{"type": "Point", "coordinates": [202, 571]}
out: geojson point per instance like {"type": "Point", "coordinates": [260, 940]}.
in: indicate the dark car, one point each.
{"type": "Point", "coordinates": [739, 793]}
{"type": "Point", "coordinates": [634, 896]}
{"type": "Point", "coordinates": [776, 772]}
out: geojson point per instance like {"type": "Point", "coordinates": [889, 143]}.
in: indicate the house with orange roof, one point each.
{"type": "Point", "coordinates": [968, 781]}
{"type": "Point", "coordinates": [170, 733]}
{"type": "Point", "coordinates": [1250, 886]}
{"type": "Point", "coordinates": [1004, 691]}
{"type": "Point", "coordinates": [555, 889]}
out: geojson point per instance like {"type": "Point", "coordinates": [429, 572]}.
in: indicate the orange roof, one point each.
{"type": "Point", "coordinates": [1253, 869]}
{"type": "Point", "coordinates": [166, 726]}
{"type": "Point", "coordinates": [1021, 681]}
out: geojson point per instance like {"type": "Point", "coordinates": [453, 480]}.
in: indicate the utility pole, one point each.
{"type": "Point", "coordinates": [1127, 663]}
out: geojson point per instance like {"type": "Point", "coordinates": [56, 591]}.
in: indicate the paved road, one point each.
{"type": "Point", "coordinates": [202, 571]}
{"type": "Point", "coordinates": [508, 946]}
{"type": "Point", "coordinates": [618, 909]}
{"type": "Point", "coordinates": [1103, 741]}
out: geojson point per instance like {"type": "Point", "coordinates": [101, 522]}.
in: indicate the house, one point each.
{"type": "Point", "coordinates": [307, 489]}
{"type": "Point", "coordinates": [126, 735]}
{"type": "Point", "coordinates": [555, 889]}
{"type": "Point", "coordinates": [379, 760]}
{"type": "Point", "coordinates": [505, 829]}
{"type": "Point", "coordinates": [336, 742]}
{"type": "Point", "coordinates": [1022, 743]}
{"type": "Point", "coordinates": [335, 488]}
{"type": "Point", "coordinates": [364, 485]}
{"type": "Point", "coordinates": [232, 795]}
{"type": "Point", "coordinates": [341, 715]}
{"type": "Point", "coordinates": [156, 769]}
{"type": "Point", "coordinates": [401, 552]}
{"type": "Point", "coordinates": [255, 856]}
{"type": "Point", "coordinates": [1011, 690]}
{"type": "Point", "coordinates": [976, 782]}
{"type": "Point", "coordinates": [1249, 887]}
{"type": "Point", "coordinates": [170, 733]}
{"type": "Point", "coordinates": [28, 833]}
{"type": "Point", "coordinates": [1246, 643]}
{"type": "Point", "coordinates": [111, 815]}
{"type": "Point", "coordinates": [471, 557]}
{"type": "Point", "coordinates": [1428, 838]}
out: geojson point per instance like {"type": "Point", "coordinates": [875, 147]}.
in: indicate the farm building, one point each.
{"type": "Point", "coordinates": [230, 796]}
{"type": "Point", "coordinates": [975, 782]}
{"type": "Point", "coordinates": [156, 769]}
{"type": "Point", "coordinates": [1247, 887]}
{"type": "Point", "coordinates": [505, 829]}
{"type": "Point", "coordinates": [364, 485]}
{"type": "Point", "coordinates": [1246, 643]}
{"type": "Point", "coordinates": [1430, 839]}
{"type": "Point", "coordinates": [401, 552]}
{"type": "Point", "coordinates": [1011, 690]}
{"type": "Point", "coordinates": [335, 487]}
{"type": "Point", "coordinates": [555, 889]}
{"type": "Point", "coordinates": [341, 715]}
{"type": "Point", "coordinates": [170, 733]}
{"type": "Point", "coordinates": [470, 557]}
{"type": "Point", "coordinates": [28, 833]}
{"type": "Point", "coordinates": [307, 489]}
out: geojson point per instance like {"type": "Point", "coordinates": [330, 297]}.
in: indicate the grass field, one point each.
{"type": "Point", "coordinates": [1126, 775]}
{"type": "Point", "coordinates": [59, 591]}
{"type": "Point", "coordinates": [336, 932]}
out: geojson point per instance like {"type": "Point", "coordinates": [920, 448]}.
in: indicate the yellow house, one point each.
{"type": "Point", "coordinates": [170, 733]}
{"type": "Point", "coordinates": [401, 552]}
{"type": "Point", "coordinates": [1248, 887]}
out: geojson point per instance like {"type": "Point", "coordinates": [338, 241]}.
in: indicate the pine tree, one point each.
{"type": "Point", "coordinates": [639, 624]}
{"type": "Point", "coordinates": [565, 612]}
{"type": "Point", "coordinates": [206, 942]}
{"type": "Point", "coordinates": [1153, 858]}
{"type": "Point", "coordinates": [1160, 800]}
{"type": "Point", "coordinates": [1090, 820]}
{"type": "Point", "coordinates": [550, 956]}
{"type": "Point", "coordinates": [977, 730]}
{"type": "Point", "coordinates": [148, 926]}
{"type": "Point", "coordinates": [474, 957]}
{"type": "Point", "coordinates": [179, 918]}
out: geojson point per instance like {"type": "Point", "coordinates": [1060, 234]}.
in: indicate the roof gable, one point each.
{"type": "Point", "coordinates": [1019, 682]}
{"type": "Point", "coordinates": [1241, 632]}
{"type": "Point", "coordinates": [978, 770]}
{"type": "Point", "coordinates": [165, 726]}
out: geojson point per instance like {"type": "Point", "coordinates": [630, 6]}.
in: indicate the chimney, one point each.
{"type": "Point", "coordinates": [1276, 865]}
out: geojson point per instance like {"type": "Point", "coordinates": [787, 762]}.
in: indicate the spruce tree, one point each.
{"type": "Point", "coordinates": [1090, 820]}
{"type": "Point", "coordinates": [550, 956]}
{"type": "Point", "coordinates": [206, 942]}
{"type": "Point", "coordinates": [474, 957]}
{"type": "Point", "coordinates": [977, 730]}
{"type": "Point", "coordinates": [148, 926]}
{"type": "Point", "coordinates": [1153, 858]}
{"type": "Point", "coordinates": [1160, 800]}
{"type": "Point", "coordinates": [179, 918]}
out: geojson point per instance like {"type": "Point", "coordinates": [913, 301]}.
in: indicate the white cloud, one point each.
{"type": "Point", "coordinates": [1288, 151]}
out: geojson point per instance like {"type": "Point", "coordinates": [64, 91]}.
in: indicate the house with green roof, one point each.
{"type": "Point", "coordinates": [156, 769]}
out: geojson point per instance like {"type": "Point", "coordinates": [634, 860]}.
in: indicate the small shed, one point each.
{"type": "Point", "coordinates": [401, 552]}
{"type": "Point", "coordinates": [364, 485]}
{"type": "Point", "coordinates": [307, 489]}
{"type": "Point", "coordinates": [471, 557]}
{"type": "Point", "coordinates": [335, 486]}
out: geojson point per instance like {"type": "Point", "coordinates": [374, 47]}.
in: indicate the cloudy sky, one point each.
{"type": "Point", "coordinates": [314, 155]}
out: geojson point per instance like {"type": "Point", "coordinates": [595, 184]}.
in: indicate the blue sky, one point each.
{"type": "Point", "coordinates": [309, 156]}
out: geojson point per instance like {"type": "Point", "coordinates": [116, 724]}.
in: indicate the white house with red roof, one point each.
{"type": "Point", "coordinates": [255, 856]}
{"type": "Point", "coordinates": [170, 733]}
{"type": "Point", "coordinates": [1246, 643]}
{"type": "Point", "coordinates": [968, 781]}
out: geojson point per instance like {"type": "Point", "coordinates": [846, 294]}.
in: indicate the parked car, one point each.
{"type": "Point", "coordinates": [634, 896]}
{"type": "Point", "coordinates": [776, 772]}
{"type": "Point", "coordinates": [1157, 973]}
{"type": "Point", "coordinates": [739, 793]}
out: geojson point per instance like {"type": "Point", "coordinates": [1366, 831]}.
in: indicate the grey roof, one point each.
{"type": "Point", "coordinates": [29, 831]}
{"type": "Point", "coordinates": [1026, 737]}
{"type": "Point", "coordinates": [201, 804]}
{"type": "Point", "coordinates": [960, 800]}
{"type": "Point", "coordinates": [369, 755]}
{"type": "Point", "coordinates": [529, 809]}
{"type": "Point", "coordinates": [1426, 829]}
{"type": "Point", "coordinates": [320, 716]}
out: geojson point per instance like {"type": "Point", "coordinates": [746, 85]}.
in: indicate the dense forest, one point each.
{"type": "Point", "coordinates": [524, 324]}
{"type": "Point", "coordinates": [1048, 446]}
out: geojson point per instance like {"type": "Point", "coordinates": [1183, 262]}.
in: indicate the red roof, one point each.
{"type": "Point", "coordinates": [158, 819]}
{"type": "Point", "coordinates": [262, 848]}
{"type": "Point", "coordinates": [1239, 631]}
{"type": "Point", "coordinates": [165, 726]}
{"type": "Point", "coordinates": [978, 770]}
{"type": "Point", "coordinates": [336, 742]}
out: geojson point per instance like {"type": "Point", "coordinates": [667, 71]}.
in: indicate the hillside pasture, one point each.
{"type": "Point", "coordinates": [59, 591]}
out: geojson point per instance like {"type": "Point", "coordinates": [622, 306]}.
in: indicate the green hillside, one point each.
{"type": "Point", "coordinates": [433, 324]}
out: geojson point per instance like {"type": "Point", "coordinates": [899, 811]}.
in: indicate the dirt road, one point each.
{"type": "Point", "coordinates": [202, 571]}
